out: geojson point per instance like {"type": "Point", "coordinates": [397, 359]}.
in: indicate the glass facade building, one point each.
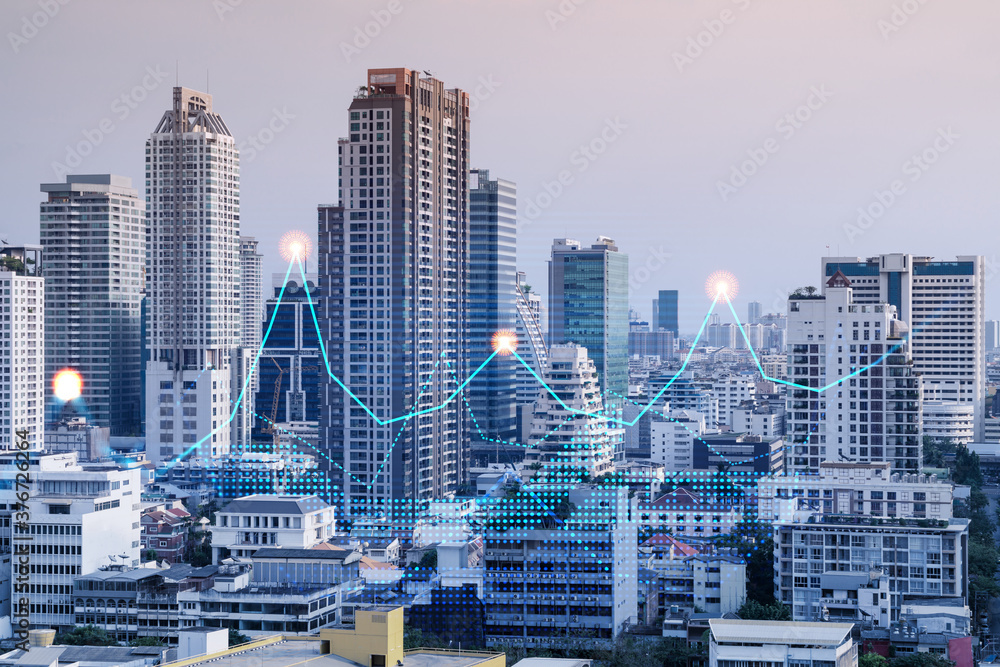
{"type": "Point", "coordinates": [588, 305]}
{"type": "Point", "coordinates": [492, 394]}
{"type": "Point", "coordinates": [666, 314]}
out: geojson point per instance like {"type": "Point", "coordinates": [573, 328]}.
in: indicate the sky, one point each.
{"type": "Point", "coordinates": [702, 135]}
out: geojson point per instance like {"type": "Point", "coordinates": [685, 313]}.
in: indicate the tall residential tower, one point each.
{"type": "Point", "coordinates": [192, 281]}
{"type": "Point", "coordinates": [394, 271]}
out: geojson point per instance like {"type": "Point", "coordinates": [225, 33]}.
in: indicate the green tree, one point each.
{"type": "Point", "coordinates": [147, 641]}
{"type": "Point", "coordinates": [9, 263]}
{"type": "Point", "coordinates": [921, 660]}
{"type": "Point", "coordinates": [752, 540]}
{"type": "Point", "coordinates": [236, 637]}
{"type": "Point", "coordinates": [755, 611]}
{"type": "Point", "coordinates": [149, 554]}
{"type": "Point", "coordinates": [86, 635]}
{"type": "Point", "coordinates": [429, 561]}
{"type": "Point", "coordinates": [872, 660]}
{"type": "Point", "coordinates": [417, 638]}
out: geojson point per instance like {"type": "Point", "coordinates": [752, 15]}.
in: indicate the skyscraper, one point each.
{"type": "Point", "coordinates": [666, 312]}
{"type": "Point", "coordinates": [754, 311]}
{"type": "Point", "coordinates": [992, 335]}
{"type": "Point", "coordinates": [588, 305]}
{"type": "Point", "coordinates": [394, 264]}
{"type": "Point", "coordinates": [22, 348]}
{"type": "Point", "coordinates": [193, 281]}
{"type": "Point", "coordinates": [93, 235]}
{"type": "Point", "coordinates": [492, 394]}
{"type": "Point", "coordinates": [251, 293]}
{"type": "Point", "coordinates": [944, 304]}
{"type": "Point", "coordinates": [531, 340]}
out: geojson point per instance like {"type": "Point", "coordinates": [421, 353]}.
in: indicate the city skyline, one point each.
{"type": "Point", "coordinates": [279, 126]}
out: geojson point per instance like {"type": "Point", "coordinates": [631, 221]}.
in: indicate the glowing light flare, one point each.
{"type": "Point", "coordinates": [294, 245]}
{"type": "Point", "coordinates": [722, 284]}
{"type": "Point", "coordinates": [67, 385]}
{"type": "Point", "coordinates": [504, 342]}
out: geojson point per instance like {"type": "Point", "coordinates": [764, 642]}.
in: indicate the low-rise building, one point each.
{"type": "Point", "coordinates": [713, 583]}
{"type": "Point", "coordinates": [566, 571]}
{"type": "Point", "coordinates": [920, 557]}
{"type": "Point", "coordinates": [864, 489]}
{"type": "Point", "coordinates": [738, 643]}
{"type": "Point", "coordinates": [947, 421]}
{"type": "Point", "coordinates": [290, 591]}
{"type": "Point", "coordinates": [165, 532]}
{"type": "Point", "coordinates": [253, 522]}
{"type": "Point", "coordinates": [685, 513]}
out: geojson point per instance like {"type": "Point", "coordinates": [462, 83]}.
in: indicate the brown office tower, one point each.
{"type": "Point", "coordinates": [394, 262]}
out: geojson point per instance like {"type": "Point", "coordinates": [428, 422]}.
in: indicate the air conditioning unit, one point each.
{"type": "Point", "coordinates": [575, 619]}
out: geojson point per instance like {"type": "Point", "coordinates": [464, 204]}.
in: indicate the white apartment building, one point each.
{"type": "Point", "coordinates": [196, 368]}
{"type": "Point", "coordinates": [567, 444]}
{"type": "Point", "coordinates": [861, 489]}
{"type": "Point", "coordinates": [716, 584]}
{"type": "Point", "coordinates": [93, 235]}
{"type": "Point", "coordinates": [944, 304]}
{"type": "Point", "coordinates": [252, 522]}
{"type": "Point", "coordinates": [672, 440]}
{"type": "Point", "coordinates": [737, 643]}
{"type": "Point", "coordinates": [857, 398]}
{"type": "Point", "coordinates": [80, 518]}
{"type": "Point", "coordinates": [573, 578]}
{"type": "Point", "coordinates": [762, 419]}
{"type": "Point", "coordinates": [947, 420]}
{"type": "Point", "coordinates": [730, 392]}
{"type": "Point", "coordinates": [22, 358]}
{"type": "Point", "coordinates": [926, 557]}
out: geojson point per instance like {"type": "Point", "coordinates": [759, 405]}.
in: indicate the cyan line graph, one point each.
{"type": "Point", "coordinates": [461, 387]}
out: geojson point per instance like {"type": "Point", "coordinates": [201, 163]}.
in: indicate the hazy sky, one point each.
{"type": "Point", "coordinates": [671, 95]}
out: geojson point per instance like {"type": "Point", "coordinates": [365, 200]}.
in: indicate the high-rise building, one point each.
{"type": "Point", "coordinates": [665, 318]}
{"type": "Point", "coordinates": [944, 304]}
{"type": "Point", "coordinates": [992, 335]}
{"type": "Point", "coordinates": [587, 449]}
{"type": "Point", "coordinates": [251, 293]}
{"type": "Point", "coordinates": [22, 348]}
{"type": "Point", "coordinates": [289, 371]}
{"type": "Point", "coordinates": [395, 273]}
{"type": "Point", "coordinates": [588, 305]}
{"type": "Point", "coordinates": [93, 235]}
{"type": "Point", "coordinates": [531, 340]}
{"type": "Point", "coordinates": [493, 295]}
{"type": "Point", "coordinates": [868, 414]}
{"type": "Point", "coordinates": [193, 283]}
{"type": "Point", "coordinates": [754, 311]}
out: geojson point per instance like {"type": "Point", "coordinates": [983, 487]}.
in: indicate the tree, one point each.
{"type": "Point", "coordinates": [236, 637]}
{"type": "Point", "coordinates": [755, 611]}
{"type": "Point", "coordinates": [149, 554]}
{"type": "Point", "coordinates": [983, 567]}
{"type": "Point", "coordinates": [752, 540]}
{"type": "Point", "coordinates": [417, 638]}
{"type": "Point", "coordinates": [872, 660]}
{"type": "Point", "coordinates": [86, 635]}
{"type": "Point", "coordinates": [921, 660]}
{"type": "Point", "coordinates": [147, 641]}
{"type": "Point", "coordinates": [429, 561]}
{"type": "Point", "coordinates": [11, 264]}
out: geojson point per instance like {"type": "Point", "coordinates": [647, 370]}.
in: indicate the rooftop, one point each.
{"type": "Point", "coordinates": [306, 653]}
{"type": "Point", "coordinates": [275, 504]}
{"type": "Point", "coordinates": [779, 632]}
